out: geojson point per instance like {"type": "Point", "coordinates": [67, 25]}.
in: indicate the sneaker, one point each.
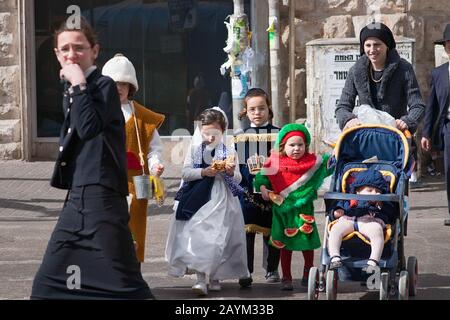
{"type": "Point", "coordinates": [447, 222]}
{"type": "Point", "coordinates": [200, 288]}
{"type": "Point", "coordinates": [273, 277]}
{"type": "Point", "coordinates": [214, 285]}
{"type": "Point", "coordinates": [286, 285]}
{"type": "Point", "coordinates": [245, 282]}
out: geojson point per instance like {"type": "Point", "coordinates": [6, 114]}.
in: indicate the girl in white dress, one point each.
{"type": "Point", "coordinates": [206, 233]}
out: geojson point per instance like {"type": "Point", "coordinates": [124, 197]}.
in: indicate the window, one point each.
{"type": "Point", "coordinates": [167, 58]}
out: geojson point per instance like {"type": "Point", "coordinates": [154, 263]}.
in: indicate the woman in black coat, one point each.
{"type": "Point", "coordinates": [381, 79]}
{"type": "Point", "coordinates": [90, 254]}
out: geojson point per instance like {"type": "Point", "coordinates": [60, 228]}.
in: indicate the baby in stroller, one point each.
{"type": "Point", "coordinates": [367, 217]}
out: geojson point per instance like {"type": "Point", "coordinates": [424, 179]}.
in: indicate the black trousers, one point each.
{"type": "Point", "coordinates": [273, 257]}
{"type": "Point", "coordinates": [90, 254]}
{"type": "Point", "coordinates": [447, 159]}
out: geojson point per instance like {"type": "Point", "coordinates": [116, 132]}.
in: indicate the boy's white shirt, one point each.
{"type": "Point", "coordinates": [252, 125]}
{"type": "Point", "coordinates": [155, 146]}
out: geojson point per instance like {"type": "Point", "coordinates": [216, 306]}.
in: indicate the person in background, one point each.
{"type": "Point", "coordinates": [381, 79]}
{"type": "Point", "coordinates": [436, 125]}
{"type": "Point", "coordinates": [141, 132]}
{"type": "Point", "coordinates": [257, 140]}
{"type": "Point", "coordinates": [198, 99]}
{"type": "Point", "coordinates": [206, 233]}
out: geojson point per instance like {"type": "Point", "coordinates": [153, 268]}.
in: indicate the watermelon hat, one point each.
{"type": "Point", "coordinates": [292, 127]}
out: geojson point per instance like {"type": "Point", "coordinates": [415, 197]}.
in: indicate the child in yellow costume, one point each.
{"type": "Point", "coordinates": [143, 122]}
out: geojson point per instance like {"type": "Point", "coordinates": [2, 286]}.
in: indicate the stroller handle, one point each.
{"type": "Point", "coordinates": [362, 197]}
{"type": "Point", "coordinates": [407, 134]}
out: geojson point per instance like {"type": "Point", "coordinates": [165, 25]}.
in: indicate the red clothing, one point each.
{"type": "Point", "coordinates": [287, 170]}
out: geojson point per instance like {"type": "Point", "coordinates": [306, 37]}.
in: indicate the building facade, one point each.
{"type": "Point", "coordinates": [168, 57]}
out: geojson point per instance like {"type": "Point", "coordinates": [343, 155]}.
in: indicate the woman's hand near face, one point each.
{"type": "Point", "coordinates": [73, 74]}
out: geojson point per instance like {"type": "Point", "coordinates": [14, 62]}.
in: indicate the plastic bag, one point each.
{"type": "Point", "coordinates": [367, 114]}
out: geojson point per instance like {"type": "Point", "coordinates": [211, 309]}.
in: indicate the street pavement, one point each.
{"type": "Point", "coordinates": [29, 208]}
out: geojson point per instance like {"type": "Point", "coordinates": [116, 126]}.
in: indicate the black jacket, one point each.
{"type": "Point", "coordinates": [437, 107]}
{"type": "Point", "coordinates": [361, 208]}
{"type": "Point", "coordinates": [398, 91]}
{"type": "Point", "coordinates": [92, 139]}
{"type": "Point", "coordinates": [252, 213]}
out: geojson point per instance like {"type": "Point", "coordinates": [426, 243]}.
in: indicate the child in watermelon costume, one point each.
{"type": "Point", "coordinates": [290, 178]}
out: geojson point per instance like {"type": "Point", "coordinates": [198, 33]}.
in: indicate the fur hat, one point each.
{"type": "Point", "coordinates": [290, 128]}
{"type": "Point", "coordinates": [120, 69]}
{"type": "Point", "coordinates": [379, 31]}
{"type": "Point", "coordinates": [371, 178]}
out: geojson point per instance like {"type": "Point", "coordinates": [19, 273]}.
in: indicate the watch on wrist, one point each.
{"type": "Point", "coordinates": [78, 89]}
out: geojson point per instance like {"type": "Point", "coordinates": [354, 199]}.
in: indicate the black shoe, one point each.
{"type": "Point", "coordinates": [447, 222]}
{"type": "Point", "coordinates": [245, 282]}
{"type": "Point", "coordinates": [286, 285]}
{"type": "Point", "coordinates": [304, 282]}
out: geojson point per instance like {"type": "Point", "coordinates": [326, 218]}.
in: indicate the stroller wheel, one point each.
{"type": "Point", "coordinates": [403, 286]}
{"type": "Point", "coordinates": [384, 286]}
{"type": "Point", "coordinates": [413, 272]}
{"type": "Point", "coordinates": [313, 284]}
{"type": "Point", "coordinates": [331, 287]}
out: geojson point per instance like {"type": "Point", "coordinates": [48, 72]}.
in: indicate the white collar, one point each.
{"type": "Point", "coordinates": [255, 126]}
{"type": "Point", "coordinates": [89, 71]}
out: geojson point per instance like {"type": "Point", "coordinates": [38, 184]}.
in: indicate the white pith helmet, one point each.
{"type": "Point", "coordinates": [120, 69]}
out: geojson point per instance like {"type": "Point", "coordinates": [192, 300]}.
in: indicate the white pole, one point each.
{"type": "Point", "coordinates": [236, 88]}
{"type": "Point", "coordinates": [292, 91]}
{"type": "Point", "coordinates": [275, 70]}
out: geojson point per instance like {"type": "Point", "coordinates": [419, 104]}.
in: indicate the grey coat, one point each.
{"type": "Point", "coordinates": [398, 91]}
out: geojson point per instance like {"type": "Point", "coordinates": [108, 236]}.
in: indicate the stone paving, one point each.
{"type": "Point", "coordinates": [29, 208]}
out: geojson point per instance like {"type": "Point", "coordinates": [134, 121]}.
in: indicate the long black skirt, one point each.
{"type": "Point", "coordinates": [90, 254]}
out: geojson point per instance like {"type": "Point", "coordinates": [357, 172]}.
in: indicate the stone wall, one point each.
{"type": "Point", "coordinates": [10, 125]}
{"type": "Point", "coordinates": [421, 20]}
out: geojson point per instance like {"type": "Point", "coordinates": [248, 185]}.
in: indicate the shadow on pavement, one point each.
{"type": "Point", "coordinates": [231, 290]}
{"type": "Point", "coordinates": [22, 205]}
{"type": "Point", "coordinates": [431, 286]}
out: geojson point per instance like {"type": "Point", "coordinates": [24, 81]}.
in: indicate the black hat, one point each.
{"type": "Point", "coordinates": [372, 178]}
{"type": "Point", "coordinates": [377, 30]}
{"type": "Point", "coordinates": [446, 35]}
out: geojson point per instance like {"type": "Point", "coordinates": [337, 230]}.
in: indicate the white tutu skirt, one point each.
{"type": "Point", "coordinates": [213, 241]}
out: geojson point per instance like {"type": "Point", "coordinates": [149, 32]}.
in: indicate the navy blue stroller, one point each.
{"type": "Point", "coordinates": [387, 150]}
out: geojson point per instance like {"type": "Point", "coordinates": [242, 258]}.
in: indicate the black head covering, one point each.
{"type": "Point", "coordinates": [377, 30]}
{"type": "Point", "coordinates": [446, 36]}
{"type": "Point", "coordinates": [371, 178]}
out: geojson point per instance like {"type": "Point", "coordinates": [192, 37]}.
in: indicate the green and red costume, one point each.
{"type": "Point", "coordinates": [297, 181]}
